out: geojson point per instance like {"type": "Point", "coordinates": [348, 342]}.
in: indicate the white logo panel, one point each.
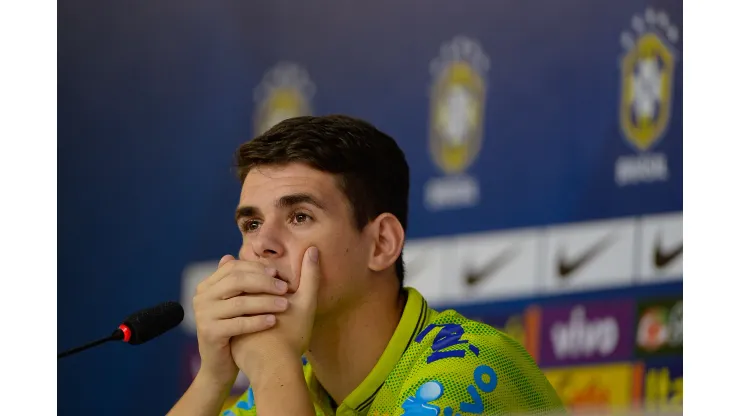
{"type": "Point", "coordinates": [497, 265]}
{"type": "Point", "coordinates": [661, 254]}
{"type": "Point", "coordinates": [590, 255]}
{"type": "Point", "coordinates": [429, 267]}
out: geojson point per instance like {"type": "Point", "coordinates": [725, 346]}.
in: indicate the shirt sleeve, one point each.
{"type": "Point", "coordinates": [462, 374]}
{"type": "Point", "coordinates": [243, 407]}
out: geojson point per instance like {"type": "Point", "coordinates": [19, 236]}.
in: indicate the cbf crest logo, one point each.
{"type": "Point", "coordinates": [457, 104]}
{"type": "Point", "coordinates": [647, 78]}
{"type": "Point", "coordinates": [457, 108]}
{"type": "Point", "coordinates": [286, 91]}
{"type": "Point", "coordinates": [648, 74]}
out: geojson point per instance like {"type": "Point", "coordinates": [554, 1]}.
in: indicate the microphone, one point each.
{"type": "Point", "coordinates": [140, 326]}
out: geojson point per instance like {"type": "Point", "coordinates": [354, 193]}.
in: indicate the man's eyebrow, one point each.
{"type": "Point", "coordinates": [286, 201]}
{"type": "Point", "coordinates": [242, 212]}
{"type": "Point", "coordinates": [295, 199]}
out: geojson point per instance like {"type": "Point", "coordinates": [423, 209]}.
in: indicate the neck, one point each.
{"type": "Point", "coordinates": [346, 346]}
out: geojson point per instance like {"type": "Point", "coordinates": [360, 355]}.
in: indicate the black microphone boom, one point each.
{"type": "Point", "coordinates": [153, 322]}
{"type": "Point", "coordinates": [140, 327]}
{"type": "Point", "coordinates": [118, 335]}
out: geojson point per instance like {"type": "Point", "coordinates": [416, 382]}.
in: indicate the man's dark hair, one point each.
{"type": "Point", "coordinates": [369, 166]}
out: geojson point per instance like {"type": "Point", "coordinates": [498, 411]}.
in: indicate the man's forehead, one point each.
{"type": "Point", "coordinates": [273, 182]}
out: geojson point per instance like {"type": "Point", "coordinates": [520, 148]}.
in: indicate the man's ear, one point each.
{"type": "Point", "coordinates": [388, 237]}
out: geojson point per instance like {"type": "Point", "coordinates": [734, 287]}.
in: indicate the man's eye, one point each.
{"type": "Point", "coordinates": [250, 225]}
{"type": "Point", "coordinates": [301, 218]}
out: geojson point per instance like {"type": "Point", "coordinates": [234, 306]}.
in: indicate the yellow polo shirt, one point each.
{"type": "Point", "coordinates": [438, 363]}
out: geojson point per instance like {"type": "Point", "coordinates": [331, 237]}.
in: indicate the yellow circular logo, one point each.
{"type": "Point", "coordinates": [457, 105]}
{"type": "Point", "coordinates": [647, 69]}
{"type": "Point", "coordinates": [285, 92]}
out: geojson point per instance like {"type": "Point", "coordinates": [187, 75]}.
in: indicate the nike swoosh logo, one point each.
{"type": "Point", "coordinates": [566, 267]}
{"type": "Point", "coordinates": [661, 257]}
{"type": "Point", "coordinates": [474, 277]}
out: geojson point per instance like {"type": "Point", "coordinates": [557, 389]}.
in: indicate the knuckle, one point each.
{"type": "Point", "coordinates": [200, 309]}
{"type": "Point", "coordinates": [246, 325]}
{"type": "Point", "coordinates": [199, 302]}
{"type": "Point", "coordinates": [234, 279]}
{"type": "Point", "coordinates": [257, 267]}
{"type": "Point", "coordinates": [245, 282]}
{"type": "Point", "coordinates": [238, 302]}
{"type": "Point", "coordinates": [196, 303]}
{"type": "Point", "coordinates": [230, 267]}
{"type": "Point", "coordinates": [200, 320]}
{"type": "Point", "coordinates": [206, 333]}
{"type": "Point", "coordinates": [270, 302]}
{"type": "Point", "coordinates": [198, 313]}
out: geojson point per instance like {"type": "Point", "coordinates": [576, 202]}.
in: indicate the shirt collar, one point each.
{"type": "Point", "coordinates": [415, 315]}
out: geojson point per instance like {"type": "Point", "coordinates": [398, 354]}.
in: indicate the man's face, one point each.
{"type": "Point", "coordinates": [284, 210]}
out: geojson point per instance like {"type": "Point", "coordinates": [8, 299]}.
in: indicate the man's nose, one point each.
{"type": "Point", "coordinates": [267, 242]}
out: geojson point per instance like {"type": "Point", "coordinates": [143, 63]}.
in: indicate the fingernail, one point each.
{"type": "Point", "coordinates": [270, 319]}
{"type": "Point", "coordinates": [313, 254]}
{"type": "Point", "coordinates": [270, 271]}
{"type": "Point", "coordinates": [281, 285]}
{"type": "Point", "coordinates": [281, 302]}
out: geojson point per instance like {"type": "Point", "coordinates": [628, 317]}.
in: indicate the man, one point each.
{"type": "Point", "coordinates": [314, 311]}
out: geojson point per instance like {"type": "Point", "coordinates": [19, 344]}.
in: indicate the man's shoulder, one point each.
{"type": "Point", "coordinates": [451, 343]}
{"type": "Point", "coordinates": [461, 360]}
{"type": "Point", "coordinates": [449, 328]}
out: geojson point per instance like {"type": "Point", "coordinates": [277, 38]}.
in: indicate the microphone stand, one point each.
{"type": "Point", "coordinates": [117, 335]}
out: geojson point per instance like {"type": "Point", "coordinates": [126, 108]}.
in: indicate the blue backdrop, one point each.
{"type": "Point", "coordinates": [155, 96]}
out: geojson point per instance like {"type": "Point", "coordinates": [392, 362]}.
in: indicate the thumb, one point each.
{"type": "Point", "coordinates": [225, 259]}
{"type": "Point", "coordinates": [308, 285]}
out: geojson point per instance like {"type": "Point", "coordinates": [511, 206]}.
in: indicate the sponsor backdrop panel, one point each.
{"type": "Point", "coordinates": [520, 119]}
{"type": "Point", "coordinates": [659, 331]}
{"type": "Point", "coordinates": [431, 267]}
{"type": "Point", "coordinates": [663, 384]}
{"type": "Point", "coordinates": [595, 388]}
{"type": "Point", "coordinates": [588, 255]}
{"type": "Point", "coordinates": [494, 265]}
{"type": "Point", "coordinates": [661, 248]}
{"type": "Point", "coordinates": [587, 332]}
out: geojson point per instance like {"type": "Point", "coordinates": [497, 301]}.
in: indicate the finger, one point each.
{"type": "Point", "coordinates": [249, 305]}
{"type": "Point", "coordinates": [228, 328]}
{"type": "Point", "coordinates": [228, 265]}
{"type": "Point", "coordinates": [218, 274]}
{"type": "Point", "coordinates": [308, 284]}
{"type": "Point", "coordinates": [246, 282]}
{"type": "Point", "coordinates": [225, 259]}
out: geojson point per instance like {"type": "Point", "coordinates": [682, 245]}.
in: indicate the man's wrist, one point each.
{"type": "Point", "coordinates": [280, 378]}
{"type": "Point", "coordinates": [210, 382]}
{"type": "Point", "coordinates": [279, 366]}
{"type": "Point", "coordinates": [205, 396]}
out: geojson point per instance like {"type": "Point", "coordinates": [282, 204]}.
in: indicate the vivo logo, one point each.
{"type": "Point", "coordinates": [582, 338]}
